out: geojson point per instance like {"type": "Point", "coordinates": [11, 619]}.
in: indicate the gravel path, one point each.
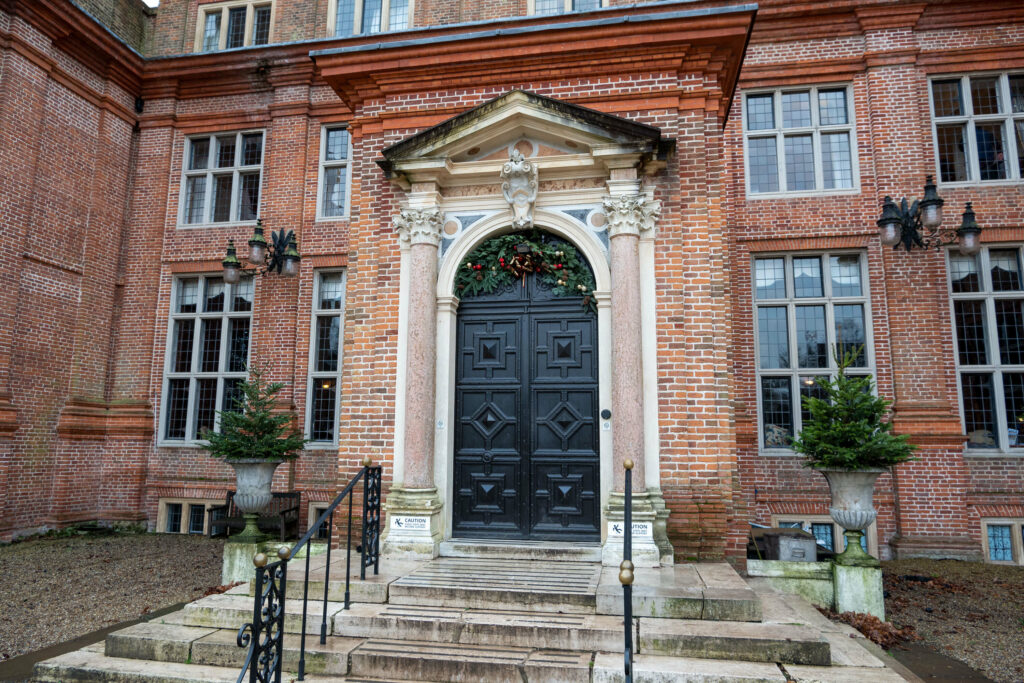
{"type": "Point", "coordinates": [58, 589]}
{"type": "Point", "coordinates": [971, 611]}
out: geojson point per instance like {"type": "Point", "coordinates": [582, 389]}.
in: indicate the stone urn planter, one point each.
{"type": "Point", "coordinates": [253, 477]}
{"type": "Point", "coordinates": [852, 505]}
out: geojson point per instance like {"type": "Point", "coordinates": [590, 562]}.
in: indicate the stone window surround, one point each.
{"type": "Point", "coordinates": [779, 132]}
{"type": "Point", "coordinates": [791, 302]}
{"type": "Point", "coordinates": [385, 13]}
{"type": "Point", "coordinates": [871, 533]}
{"type": "Point", "coordinates": [1016, 540]}
{"type": "Point", "coordinates": [997, 369]}
{"type": "Point", "coordinates": [1014, 175]}
{"type": "Point", "coordinates": [531, 7]}
{"type": "Point", "coordinates": [313, 510]}
{"type": "Point", "coordinates": [161, 517]}
{"type": "Point", "coordinates": [313, 375]}
{"type": "Point", "coordinates": [224, 7]}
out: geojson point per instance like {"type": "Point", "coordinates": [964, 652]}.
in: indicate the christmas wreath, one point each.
{"type": "Point", "coordinates": [505, 260]}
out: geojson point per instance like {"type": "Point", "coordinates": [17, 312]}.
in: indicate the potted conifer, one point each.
{"type": "Point", "coordinates": [849, 440]}
{"type": "Point", "coordinates": [254, 440]}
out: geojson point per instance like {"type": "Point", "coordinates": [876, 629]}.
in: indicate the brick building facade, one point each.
{"type": "Point", "coordinates": [762, 137]}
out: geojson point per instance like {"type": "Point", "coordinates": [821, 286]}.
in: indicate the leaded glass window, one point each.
{"type": "Point", "coordinates": [798, 141]}
{"type": "Point", "coordinates": [352, 17]}
{"type": "Point", "coordinates": [988, 319]}
{"type": "Point", "coordinates": [207, 355]}
{"type": "Point", "coordinates": [233, 24]}
{"type": "Point", "coordinates": [806, 306]}
{"type": "Point", "coordinates": [978, 127]}
{"type": "Point", "coordinates": [335, 159]}
{"type": "Point", "coordinates": [324, 396]}
{"type": "Point", "coordinates": [222, 178]}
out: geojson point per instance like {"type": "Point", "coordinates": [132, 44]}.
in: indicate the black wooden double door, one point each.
{"type": "Point", "coordinates": [526, 406]}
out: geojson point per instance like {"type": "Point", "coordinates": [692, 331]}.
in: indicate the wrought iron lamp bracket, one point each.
{"type": "Point", "coordinates": [915, 234]}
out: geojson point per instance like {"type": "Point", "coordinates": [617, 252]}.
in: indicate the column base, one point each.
{"type": "Point", "coordinates": [649, 513]}
{"type": "Point", "coordinates": [413, 524]}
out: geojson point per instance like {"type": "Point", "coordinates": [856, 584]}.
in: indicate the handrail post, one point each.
{"type": "Point", "coordinates": [348, 553]}
{"type": "Point", "coordinates": [305, 603]}
{"type": "Point", "coordinates": [626, 569]}
{"type": "Point", "coordinates": [327, 582]}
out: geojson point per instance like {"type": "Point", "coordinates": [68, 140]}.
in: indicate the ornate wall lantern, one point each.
{"type": "Point", "coordinates": [281, 256]}
{"type": "Point", "coordinates": [920, 224]}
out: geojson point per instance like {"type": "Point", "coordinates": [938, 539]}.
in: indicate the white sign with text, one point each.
{"type": "Point", "coordinates": [640, 529]}
{"type": "Point", "coordinates": [410, 523]}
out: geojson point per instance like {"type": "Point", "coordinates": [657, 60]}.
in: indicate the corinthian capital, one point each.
{"type": "Point", "coordinates": [630, 214]}
{"type": "Point", "coordinates": [419, 226]}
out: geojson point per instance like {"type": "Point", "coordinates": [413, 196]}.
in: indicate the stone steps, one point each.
{"type": "Point", "coordinates": [521, 550]}
{"type": "Point", "coordinates": [568, 587]}
{"type": "Point", "coordinates": [786, 643]}
{"type": "Point", "coordinates": [505, 621]}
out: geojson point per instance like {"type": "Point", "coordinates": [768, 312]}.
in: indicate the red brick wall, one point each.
{"type": "Point", "coordinates": [96, 248]}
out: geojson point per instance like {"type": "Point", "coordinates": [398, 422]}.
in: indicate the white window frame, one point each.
{"type": "Point", "coordinates": [313, 375]}
{"type": "Point", "coordinates": [313, 512]}
{"type": "Point", "coordinates": [162, 514]}
{"type": "Point", "coordinates": [193, 375]}
{"type": "Point", "coordinates": [224, 8]}
{"type": "Point", "coordinates": [211, 172]}
{"type": "Point", "coordinates": [805, 521]}
{"type": "Point", "coordinates": [989, 296]}
{"type": "Point", "coordinates": [357, 21]}
{"type": "Point", "coordinates": [567, 7]}
{"type": "Point", "coordinates": [815, 129]}
{"type": "Point", "coordinates": [1016, 542]}
{"type": "Point", "coordinates": [324, 165]}
{"type": "Point", "coordinates": [791, 302]}
{"type": "Point", "coordinates": [1014, 174]}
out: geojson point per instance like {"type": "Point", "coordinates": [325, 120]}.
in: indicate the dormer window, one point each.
{"type": "Point", "coordinates": [229, 25]}
{"type": "Point", "coordinates": [356, 17]}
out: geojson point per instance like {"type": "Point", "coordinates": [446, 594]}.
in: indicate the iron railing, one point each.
{"type": "Point", "coordinates": [626, 570]}
{"type": "Point", "coordinates": [265, 635]}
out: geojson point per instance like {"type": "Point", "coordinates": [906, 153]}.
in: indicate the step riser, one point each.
{"type": "Point", "coordinates": [375, 593]}
{"type": "Point", "coordinates": [470, 665]}
{"type": "Point", "coordinates": [567, 603]}
{"type": "Point", "coordinates": [567, 638]}
{"type": "Point", "coordinates": [235, 619]}
{"type": "Point", "coordinates": [739, 649]}
{"type": "Point", "coordinates": [224, 654]}
{"type": "Point", "coordinates": [515, 551]}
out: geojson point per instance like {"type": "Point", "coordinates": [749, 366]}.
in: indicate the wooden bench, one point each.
{"type": "Point", "coordinates": [281, 517]}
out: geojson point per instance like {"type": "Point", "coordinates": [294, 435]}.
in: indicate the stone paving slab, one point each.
{"type": "Point", "coordinates": [608, 668]}
{"type": "Point", "coordinates": [682, 592]}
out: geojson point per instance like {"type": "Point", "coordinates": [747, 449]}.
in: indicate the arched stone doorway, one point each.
{"type": "Point", "coordinates": [526, 462]}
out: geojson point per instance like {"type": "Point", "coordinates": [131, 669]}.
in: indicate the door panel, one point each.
{"type": "Point", "coordinates": [526, 402]}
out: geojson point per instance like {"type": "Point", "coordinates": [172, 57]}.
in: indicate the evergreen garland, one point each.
{"type": "Point", "coordinates": [252, 429]}
{"type": "Point", "coordinates": [846, 429]}
{"type": "Point", "coordinates": [498, 263]}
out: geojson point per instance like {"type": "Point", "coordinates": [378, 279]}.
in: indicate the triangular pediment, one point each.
{"type": "Point", "coordinates": [539, 127]}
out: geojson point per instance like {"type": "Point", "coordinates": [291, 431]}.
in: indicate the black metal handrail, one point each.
{"type": "Point", "coordinates": [626, 569]}
{"type": "Point", "coordinates": [265, 635]}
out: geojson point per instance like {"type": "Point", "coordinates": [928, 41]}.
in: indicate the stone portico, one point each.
{"type": "Point", "coordinates": [587, 171]}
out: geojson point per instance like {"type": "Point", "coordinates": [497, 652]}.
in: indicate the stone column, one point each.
{"type": "Point", "coordinates": [414, 520]}
{"type": "Point", "coordinates": [629, 213]}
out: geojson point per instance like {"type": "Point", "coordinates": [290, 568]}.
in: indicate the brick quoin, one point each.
{"type": "Point", "coordinates": [90, 192]}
